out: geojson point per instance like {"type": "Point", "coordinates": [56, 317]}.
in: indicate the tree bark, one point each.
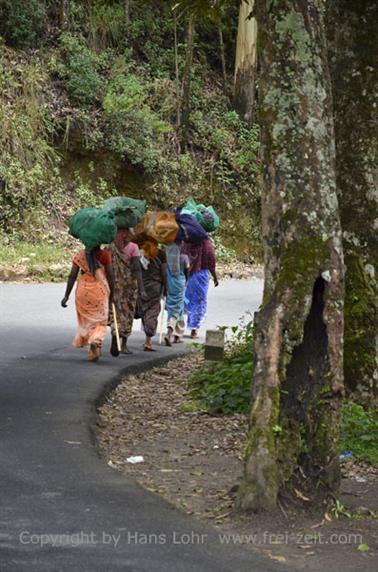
{"type": "Point", "coordinates": [177, 73]}
{"type": "Point", "coordinates": [298, 377]}
{"type": "Point", "coordinates": [222, 56]}
{"type": "Point", "coordinates": [64, 14]}
{"type": "Point", "coordinates": [245, 63]}
{"type": "Point", "coordinates": [126, 9]}
{"type": "Point", "coordinates": [185, 98]}
{"type": "Point", "coordinates": [352, 42]}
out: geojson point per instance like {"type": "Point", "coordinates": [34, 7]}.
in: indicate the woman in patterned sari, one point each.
{"type": "Point", "coordinates": [128, 282]}
{"type": "Point", "coordinates": [93, 293]}
{"type": "Point", "coordinates": [154, 274]}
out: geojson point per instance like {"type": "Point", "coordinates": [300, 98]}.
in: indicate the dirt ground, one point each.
{"type": "Point", "coordinates": [194, 461]}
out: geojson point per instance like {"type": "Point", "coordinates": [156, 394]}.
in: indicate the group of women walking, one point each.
{"type": "Point", "coordinates": [133, 280]}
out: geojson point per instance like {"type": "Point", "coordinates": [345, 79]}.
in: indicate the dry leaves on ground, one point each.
{"type": "Point", "coordinates": [192, 459]}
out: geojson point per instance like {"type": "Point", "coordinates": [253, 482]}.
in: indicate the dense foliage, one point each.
{"type": "Point", "coordinates": [92, 110]}
{"type": "Point", "coordinates": [359, 432]}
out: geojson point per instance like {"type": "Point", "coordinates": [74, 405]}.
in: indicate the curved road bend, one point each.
{"type": "Point", "coordinates": [62, 508]}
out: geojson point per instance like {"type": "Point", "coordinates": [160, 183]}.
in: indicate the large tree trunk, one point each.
{"type": "Point", "coordinates": [245, 63]}
{"type": "Point", "coordinates": [298, 375]}
{"type": "Point", "coordinates": [187, 74]}
{"type": "Point", "coordinates": [353, 43]}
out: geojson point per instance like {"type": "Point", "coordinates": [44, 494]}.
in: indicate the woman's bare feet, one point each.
{"type": "Point", "coordinates": [167, 338]}
{"type": "Point", "coordinates": [94, 352]}
{"type": "Point", "coordinates": [148, 346]}
{"type": "Point", "coordinates": [177, 340]}
{"type": "Point", "coordinates": [193, 334]}
{"type": "Point", "coordinates": [124, 349]}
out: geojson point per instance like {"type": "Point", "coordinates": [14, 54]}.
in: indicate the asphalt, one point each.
{"type": "Point", "coordinates": [62, 508]}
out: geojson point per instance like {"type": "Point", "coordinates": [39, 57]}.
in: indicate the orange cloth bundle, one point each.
{"type": "Point", "coordinates": [160, 227]}
{"type": "Point", "coordinates": [150, 249]}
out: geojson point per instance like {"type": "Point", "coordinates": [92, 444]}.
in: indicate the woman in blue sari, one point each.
{"type": "Point", "coordinates": [202, 261]}
{"type": "Point", "coordinates": [178, 271]}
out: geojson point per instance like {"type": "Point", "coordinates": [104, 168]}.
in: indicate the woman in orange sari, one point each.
{"type": "Point", "coordinates": [94, 292]}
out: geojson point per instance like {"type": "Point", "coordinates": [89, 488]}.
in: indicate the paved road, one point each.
{"type": "Point", "coordinates": [52, 480]}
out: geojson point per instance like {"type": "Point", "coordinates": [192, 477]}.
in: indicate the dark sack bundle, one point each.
{"type": "Point", "coordinates": [189, 229]}
{"type": "Point", "coordinates": [93, 227]}
{"type": "Point", "coordinates": [128, 212]}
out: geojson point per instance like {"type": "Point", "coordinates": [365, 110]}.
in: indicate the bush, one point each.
{"type": "Point", "coordinates": [22, 22]}
{"type": "Point", "coordinates": [224, 254]}
{"type": "Point", "coordinates": [226, 387]}
{"type": "Point", "coordinates": [106, 24]}
{"type": "Point", "coordinates": [83, 81]}
{"type": "Point", "coordinates": [134, 130]}
{"type": "Point", "coordinates": [28, 162]}
{"type": "Point", "coordinates": [359, 432]}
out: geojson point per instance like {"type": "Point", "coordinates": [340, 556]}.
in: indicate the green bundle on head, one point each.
{"type": "Point", "coordinates": [128, 212]}
{"type": "Point", "coordinates": [93, 227]}
{"type": "Point", "coordinates": [205, 216]}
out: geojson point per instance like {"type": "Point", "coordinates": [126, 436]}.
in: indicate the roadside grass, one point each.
{"type": "Point", "coordinates": [43, 262]}
{"type": "Point", "coordinates": [26, 253]}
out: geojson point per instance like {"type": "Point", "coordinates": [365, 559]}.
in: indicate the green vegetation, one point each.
{"type": "Point", "coordinates": [22, 21]}
{"type": "Point", "coordinates": [224, 253]}
{"type": "Point", "coordinates": [225, 387]}
{"type": "Point", "coordinates": [45, 262]}
{"type": "Point", "coordinates": [93, 110]}
{"type": "Point", "coordinates": [359, 432]}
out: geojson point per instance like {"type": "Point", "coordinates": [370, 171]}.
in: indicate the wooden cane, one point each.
{"type": "Point", "coordinates": [162, 322]}
{"type": "Point", "coordinates": [116, 327]}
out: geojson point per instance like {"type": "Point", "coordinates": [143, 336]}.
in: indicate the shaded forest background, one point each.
{"type": "Point", "coordinates": [89, 108]}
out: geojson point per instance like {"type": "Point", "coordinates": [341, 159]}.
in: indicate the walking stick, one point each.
{"type": "Point", "coordinates": [116, 327]}
{"type": "Point", "coordinates": [162, 322]}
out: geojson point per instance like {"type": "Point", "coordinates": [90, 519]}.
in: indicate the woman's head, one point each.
{"type": "Point", "coordinates": [121, 238]}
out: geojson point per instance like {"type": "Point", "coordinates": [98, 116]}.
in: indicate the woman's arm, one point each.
{"type": "Point", "coordinates": [137, 272]}
{"type": "Point", "coordinates": [215, 278]}
{"type": "Point", "coordinates": [212, 261]}
{"type": "Point", "coordinates": [70, 284]}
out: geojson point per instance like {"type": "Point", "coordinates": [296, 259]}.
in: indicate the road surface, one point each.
{"type": "Point", "coordinates": [62, 508]}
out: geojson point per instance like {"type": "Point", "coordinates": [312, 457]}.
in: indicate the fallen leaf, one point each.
{"type": "Point", "coordinates": [278, 558]}
{"type": "Point", "coordinates": [301, 495]}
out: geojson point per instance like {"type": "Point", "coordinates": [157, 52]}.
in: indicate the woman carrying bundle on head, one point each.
{"type": "Point", "coordinates": [178, 273]}
{"type": "Point", "coordinates": [154, 274]}
{"type": "Point", "coordinates": [128, 282]}
{"type": "Point", "coordinates": [94, 292]}
{"type": "Point", "coordinates": [202, 262]}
